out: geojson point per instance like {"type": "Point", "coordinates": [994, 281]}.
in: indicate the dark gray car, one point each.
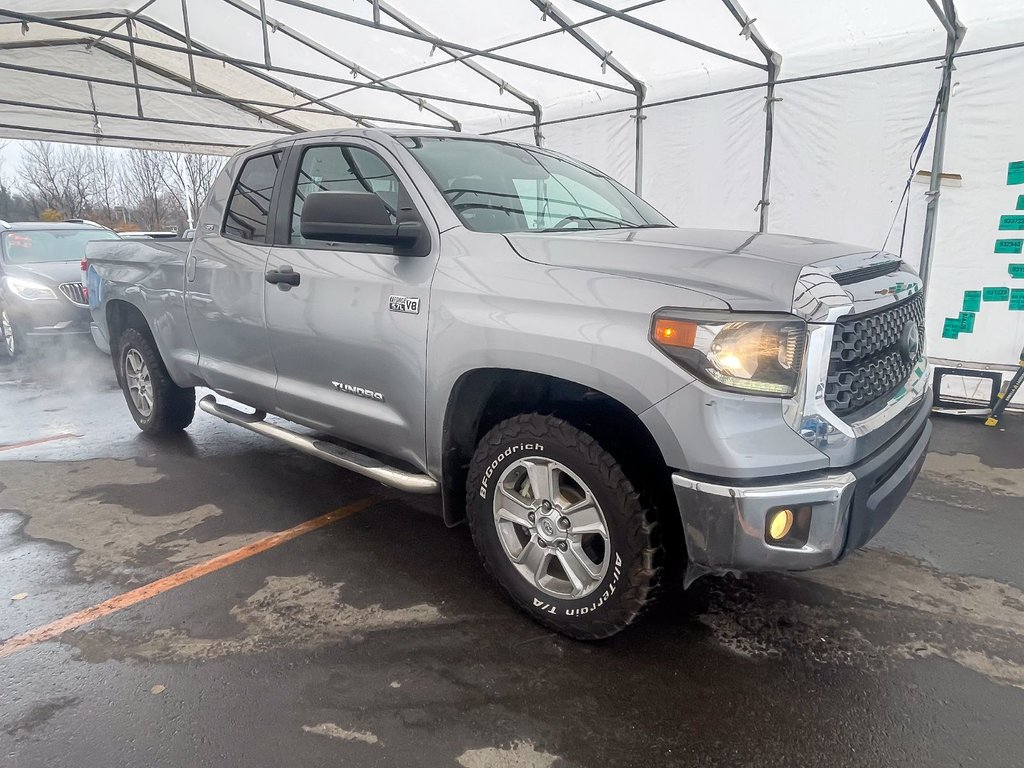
{"type": "Point", "coordinates": [41, 291]}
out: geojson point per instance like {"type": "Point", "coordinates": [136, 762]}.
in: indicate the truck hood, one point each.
{"type": "Point", "coordinates": [49, 273]}
{"type": "Point", "coordinates": [747, 270]}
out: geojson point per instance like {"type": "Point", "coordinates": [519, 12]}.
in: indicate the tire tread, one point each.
{"type": "Point", "coordinates": [641, 577]}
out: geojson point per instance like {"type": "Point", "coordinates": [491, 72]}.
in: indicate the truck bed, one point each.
{"type": "Point", "coordinates": [150, 276]}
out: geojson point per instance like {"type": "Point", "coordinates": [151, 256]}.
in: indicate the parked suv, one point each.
{"type": "Point", "coordinates": [41, 290]}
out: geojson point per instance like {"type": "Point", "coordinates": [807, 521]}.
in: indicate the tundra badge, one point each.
{"type": "Point", "coordinates": [358, 391]}
{"type": "Point", "coordinates": [408, 304]}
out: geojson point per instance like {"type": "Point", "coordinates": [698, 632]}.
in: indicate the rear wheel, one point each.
{"type": "Point", "coordinates": [561, 528]}
{"type": "Point", "coordinates": [158, 405]}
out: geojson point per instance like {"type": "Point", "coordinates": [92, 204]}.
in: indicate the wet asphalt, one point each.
{"type": "Point", "coordinates": [378, 640]}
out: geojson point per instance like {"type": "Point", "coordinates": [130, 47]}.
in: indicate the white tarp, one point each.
{"type": "Point", "coordinates": [857, 85]}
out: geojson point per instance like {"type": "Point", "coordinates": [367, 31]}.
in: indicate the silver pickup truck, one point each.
{"type": "Point", "coordinates": [601, 395]}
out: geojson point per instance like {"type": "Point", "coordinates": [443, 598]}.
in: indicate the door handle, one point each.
{"type": "Point", "coordinates": [283, 278]}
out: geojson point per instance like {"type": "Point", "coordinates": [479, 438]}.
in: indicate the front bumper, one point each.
{"type": "Point", "coordinates": [49, 318]}
{"type": "Point", "coordinates": [724, 523]}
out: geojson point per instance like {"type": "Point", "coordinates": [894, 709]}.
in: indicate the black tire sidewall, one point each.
{"type": "Point", "coordinates": [573, 616]}
{"type": "Point", "coordinates": [132, 339]}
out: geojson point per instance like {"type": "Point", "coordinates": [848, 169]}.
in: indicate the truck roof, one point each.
{"type": "Point", "coordinates": [374, 133]}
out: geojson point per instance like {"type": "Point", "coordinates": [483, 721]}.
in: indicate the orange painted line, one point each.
{"type": "Point", "coordinates": [37, 441]}
{"type": "Point", "coordinates": [154, 588]}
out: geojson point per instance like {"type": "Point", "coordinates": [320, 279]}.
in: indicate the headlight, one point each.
{"type": "Point", "coordinates": [28, 290]}
{"type": "Point", "coordinates": [754, 353]}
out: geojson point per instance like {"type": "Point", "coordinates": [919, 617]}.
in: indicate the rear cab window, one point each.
{"type": "Point", "coordinates": [248, 210]}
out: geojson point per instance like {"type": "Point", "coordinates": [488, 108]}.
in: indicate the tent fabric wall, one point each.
{"type": "Point", "coordinates": [986, 133]}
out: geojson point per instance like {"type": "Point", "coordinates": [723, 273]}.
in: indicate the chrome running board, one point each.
{"type": "Point", "coordinates": [366, 466]}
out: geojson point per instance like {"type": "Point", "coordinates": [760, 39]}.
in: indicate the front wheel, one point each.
{"type": "Point", "coordinates": [158, 405]}
{"type": "Point", "coordinates": [561, 528]}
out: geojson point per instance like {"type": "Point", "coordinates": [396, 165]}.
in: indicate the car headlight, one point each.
{"type": "Point", "coordinates": [27, 289]}
{"type": "Point", "coordinates": [742, 352]}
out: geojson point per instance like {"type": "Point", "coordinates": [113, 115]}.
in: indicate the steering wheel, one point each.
{"type": "Point", "coordinates": [566, 222]}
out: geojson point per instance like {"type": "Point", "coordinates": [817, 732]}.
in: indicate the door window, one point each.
{"type": "Point", "coordinates": [342, 169]}
{"type": "Point", "coordinates": [249, 206]}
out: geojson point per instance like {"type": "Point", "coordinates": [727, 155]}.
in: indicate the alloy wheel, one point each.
{"type": "Point", "coordinates": [551, 527]}
{"type": "Point", "coordinates": [139, 382]}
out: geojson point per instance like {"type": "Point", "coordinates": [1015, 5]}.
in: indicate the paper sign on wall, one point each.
{"type": "Point", "coordinates": [967, 322]}
{"type": "Point", "coordinates": [1015, 173]}
{"type": "Point", "coordinates": [1009, 246]}
{"type": "Point", "coordinates": [1011, 221]}
{"type": "Point", "coordinates": [1017, 299]}
{"type": "Point", "coordinates": [951, 328]}
{"type": "Point", "coordinates": [972, 300]}
{"type": "Point", "coordinates": [1020, 202]}
{"type": "Point", "coordinates": [1016, 270]}
{"type": "Point", "coordinates": [995, 294]}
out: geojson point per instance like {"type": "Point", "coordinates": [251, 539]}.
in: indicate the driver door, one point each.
{"type": "Point", "coordinates": [349, 340]}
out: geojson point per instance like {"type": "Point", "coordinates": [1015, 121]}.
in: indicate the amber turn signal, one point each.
{"type": "Point", "coordinates": [674, 333]}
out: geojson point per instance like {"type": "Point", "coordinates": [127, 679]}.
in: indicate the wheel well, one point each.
{"type": "Point", "coordinates": [121, 315]}
{"type": "Point", "coordinates": [481, 399]}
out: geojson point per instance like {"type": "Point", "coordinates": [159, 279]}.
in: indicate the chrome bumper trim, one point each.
{"type": "Point", "coordinates": [724, 524]}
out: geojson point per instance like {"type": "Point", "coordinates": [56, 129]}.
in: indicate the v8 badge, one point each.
{"type": "Point", "coordinates": [407, 304]}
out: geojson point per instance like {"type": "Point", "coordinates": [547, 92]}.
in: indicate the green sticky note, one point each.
{"type": "Point", "coordinates": [1009, 246]}
{"type": "Point", "coordinates": [1015, 173]}
{"type": "Point", "coordinates": [1016, 270]}
{"type": "Point", "coordinates": [951, 328]}
{"type": "Point", "coordinates": [1020, 202]}
{"type": "Point", "coordinates": [967, 322]}
{"type": "Point", "coordinates": [972, 301]}
{"type": "Point", "coordinates": [1017, 299]}
{"type": "Point", "coordinates": [1011, 221]}
{"type": "Point", "coordinates": [995, 294]}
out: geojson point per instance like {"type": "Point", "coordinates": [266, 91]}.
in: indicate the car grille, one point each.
{"type": "Point", "coordinates": [75, 293]}
{"type": "Point", "coordinates": [866, 363]}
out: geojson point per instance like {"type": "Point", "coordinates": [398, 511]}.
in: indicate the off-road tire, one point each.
{"type": "Point", "coordinates": [174, 407]}
{"type": "Point", "coordinates": [636, 555]}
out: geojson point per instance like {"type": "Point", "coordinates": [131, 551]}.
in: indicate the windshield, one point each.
{"type": "Point", "coordinates": [46, 245]}
{"type": "Point", "coordinates": [495, 187]}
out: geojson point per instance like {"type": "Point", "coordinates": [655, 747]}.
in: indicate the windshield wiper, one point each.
{"type": "Point", "coordinates": [591, 220]}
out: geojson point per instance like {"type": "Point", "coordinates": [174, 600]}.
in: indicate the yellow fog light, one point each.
{"type": "Point", "coordinates": [780, 522]}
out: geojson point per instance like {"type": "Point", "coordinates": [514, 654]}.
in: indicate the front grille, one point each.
{"type": "Point", "coordinates": [866, 363]}
{"type": "Point", "coordinates": [75, 293]}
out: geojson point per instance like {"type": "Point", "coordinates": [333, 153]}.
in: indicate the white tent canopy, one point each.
{"type": "Point", "coordinates": [721, 110]}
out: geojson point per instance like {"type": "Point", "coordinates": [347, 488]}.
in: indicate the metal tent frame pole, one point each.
{"type": "Point", "coordinates": [774, 62]}
{"type": "Point", "coordinates": [480, 69]}
{"type": "Point", "coordinates": [259, 65]}
{"type": "Point", "coordinates": [623, 16]}
{"type": "Point", "coordinates": [439, 42]}
{"type": "Point", "coordinates": [955, 32]}
{"type": "Point", "coordinates": [549, 9]}
{"type": "Point", "coordinates": [352, 66]}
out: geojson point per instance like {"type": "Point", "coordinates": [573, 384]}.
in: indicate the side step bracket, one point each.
{"type": "Point", "coordinates": [374, 469]}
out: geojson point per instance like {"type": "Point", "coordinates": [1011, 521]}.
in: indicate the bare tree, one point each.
{"type": "Point", "coordinates": [143, 188]}
{"type": "Point", "coordinates": [188, 178]}
{"type": "Point", "coordinates": [60, 177]}
{"type": "Point", "coordinates": [107, 172]}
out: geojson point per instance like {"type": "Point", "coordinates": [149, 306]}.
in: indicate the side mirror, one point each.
{"type": "Point", "coordinates": [360, 217]}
